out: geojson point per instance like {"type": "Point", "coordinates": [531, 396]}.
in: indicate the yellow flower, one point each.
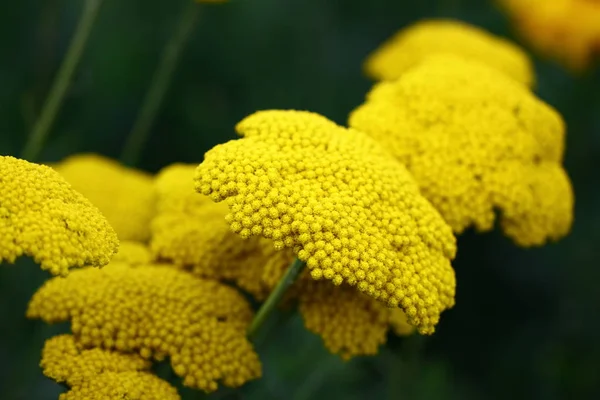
{"type": "Point", "coordinates": [567, 30]}
{"type": "Point", "coordinates": [41, 216]}
{"type": "Point", "coordinates": [346, 208]}
{"type": "Point", "coordinates": [156, 311]}
{"type": "Point", "coordinates": [132, 253]}
{"type": "Point", "coordinates": [411, 45]}
{"type": "Point", "coordinates": [101, 374]}
{"type": "Point", "coordinates": [124, 195]}
{"type": "Point", "coordinates": [475, 146]}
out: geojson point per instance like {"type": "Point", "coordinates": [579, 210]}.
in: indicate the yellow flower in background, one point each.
{"type": "Point", "coordinates": [124, 195]}
{"type": "Point", "coordinates": [41, 216]}
{"type": "Point", "coordinates": [566, 30]}
{"type": "Point", "coordinates": [346, 208]}
{"type": "Point", "coordinates": [156, 311]}
{"type": "Point", "coordinates": [475, 146]}
{"type": "Point", "coordinates": [133, 253]}
{"type": "Point", "coordinates": [411, 45]}
{"type": "Point", "coordinates": [101, 374]}
{"type": "Point", "coordinates": [190, 230]}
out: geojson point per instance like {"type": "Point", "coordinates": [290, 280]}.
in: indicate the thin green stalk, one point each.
{"type": "Point", "coordinates": [275, 297]}
{"type": "Point", "coordinates": [160, 83]}
{"type": "Point", "coordinates": [56, 96]}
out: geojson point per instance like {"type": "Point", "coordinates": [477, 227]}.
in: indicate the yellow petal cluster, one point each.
{"type": "Point", "coordinates": [132, 253]}
{"type": "Point", "coordinates": [566, 30]}
{"type": "Point", "coordinates": [190, 230]}
{"type": "Point", "coordinates": [156, 311]}
{"type": "Point", "coordinates": [41, 216]}
{"type": "Point", "coordinates": [411, 45]}
{"type": "Point", "coordinates": [346, 208]}
{"type": "Point", "coordinates": [476, 141]}
{"type": "Point", "coordinates": [124, 195]}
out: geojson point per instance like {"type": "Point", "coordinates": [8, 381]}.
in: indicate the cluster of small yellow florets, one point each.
{"type": "Point", "coordinates": [124, 195]}
{"type": "Point", "coordinates": [98, 374]}
{"type": "Point", "coordinates": [345, 207]}
{"type": "Point", "coordinates": [568, 30]}
{"type": "Point", "coordinates": [190, 230]}
{"type": "Point", "coordinates": [132, 253]}
{"type": "Point", "coordinates": [411, 45]}
{"type": "Point", "coordinates": [156, 311]}
{"type": "Point", "coordinates": [41, 216]}
{"type": "Point", "coordinates": [475, 145]}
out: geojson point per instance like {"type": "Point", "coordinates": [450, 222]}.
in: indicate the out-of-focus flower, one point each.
{"type": "Point", "coordinates": [345, 207]}
{"type": "Point", "coordinates": [566, 30]}
{"type": "Point", "coordinates": [124, 195]}
{"type": "Point", "coordinates": [411, 45]}
{"type": "Point", "coordinates": [474, 146]}
{"type": "Point", "coordinates": [190, 230]}
{"type": "Point", "coordinates": [133, 253]}
{"type": "Point", "coordinates": [41, 216]}
{"type": "Point", "coordinates": [101, 374]}
{"type": "Point", "coordinates": [156, 311]}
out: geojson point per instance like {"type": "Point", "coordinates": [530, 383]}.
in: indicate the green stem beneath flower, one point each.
{"type": "Point", "coordinates": [59, 88]}
{"type": "Point", "coordinates": [160, 84]}
{"type": "Point", "coordinates": [275, 297]}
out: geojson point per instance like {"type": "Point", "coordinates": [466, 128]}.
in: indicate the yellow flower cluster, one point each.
{"type": "Point", "coordinates": [124, 195]}
{"type": "Point", "coordinates": [132, 253]}
{"type": "Point", "coordinates": [567, 30]}
{"type": "Point", "coordinates": [411, 45]}
{"type": "Point", "coordinates": [474, 146]}
{"type": "Point", "coordinates": [156, 311]}
{"type": "Point", "coordinates": [346, 208]}
{"type": "Point", "coordinates": [190, 230]}
{"type": "Point", "coordinates": [41, 216]}
{"type": "Point", "coordinates": [101, 374]}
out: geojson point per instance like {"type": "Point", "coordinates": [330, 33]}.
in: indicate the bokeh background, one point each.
{"type": "Point", "coordinates": [526, 322]}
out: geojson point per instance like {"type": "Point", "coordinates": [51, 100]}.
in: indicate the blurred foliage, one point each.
{"type": "Point", "coordinates": [526, 321]}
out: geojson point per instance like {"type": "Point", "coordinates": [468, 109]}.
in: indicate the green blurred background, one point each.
{"type": "Point", "coordinates": [526, 322]}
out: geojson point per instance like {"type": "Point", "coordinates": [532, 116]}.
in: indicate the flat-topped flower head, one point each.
{"type": "Point", "coordinates": [475, 146]}
{"type": "Point", "coordinates": [124, 195]}
{"type": "Point", "coordinates": [341, 202]}
{"type": "Point", "coordinates": [133, 253]}
{"type": "Point", "coordinates": [101, 374]}
{"type": "Point", "coordinates": [156, 311]}
{"type": "Point", "coordinates": [43, 217]}
{"type": "Point", "coordinates": [566, 30]}
{"type": "Point", "coordinates": [411, 45]}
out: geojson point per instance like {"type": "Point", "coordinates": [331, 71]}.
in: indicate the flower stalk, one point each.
{"type": "Point", "coordinates": [59, 88]}
{"type": "Point", "coordinates": [293, 272]}
{"type": "Point", "coordinates": [160, 84]}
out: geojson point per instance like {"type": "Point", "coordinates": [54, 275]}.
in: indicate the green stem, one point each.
{"type": "Point", "coordinates": [275, 297]}
{"type": "Point", "coordinates": [160, 83]}
{"type": "Point", "coordinates": [62, 81]}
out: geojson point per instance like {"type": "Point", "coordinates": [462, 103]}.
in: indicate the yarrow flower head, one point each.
{"type": "Point", "coordinates": [100, 374]}
{"type": "Point", "coordinates": [345, 207]}
{"type": "Point", "coordinates": [190, 231]}
{"type": "Point", "coordinates": [133, 253]}
{"type": "Point", "coordinates": [411, 45]}
{"type": "Point", "coordinates": [566, 30]}
{"type": "Point", "coordinates": [124, 195]}
{"type": "Point", "coordinates": [43, 217]}
{"type": "Point", "coordinates": [156, 311]}
{"type": "Point", "coordinates": [474, 146]}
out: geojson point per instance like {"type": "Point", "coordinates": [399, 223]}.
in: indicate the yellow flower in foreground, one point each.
{"type": "Point", "coordinates": [567, 30]}
{"type": "Point", "coordinates": [190, 230]}
{"type": "Point", "coordinates": [346, 208]}
{"type": "Point", "coordinates": [411, 45]}
{"type": "Point", "coordinates": [41, 216]}
{"type": "Point", "coordinates": [124, 195]}
{"type": "Point", "coordinates": [475, 145]}
{"type": "Point", "coordinates": [156, 311]}
{"type": "Point", "coordinates": [100, 374]}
